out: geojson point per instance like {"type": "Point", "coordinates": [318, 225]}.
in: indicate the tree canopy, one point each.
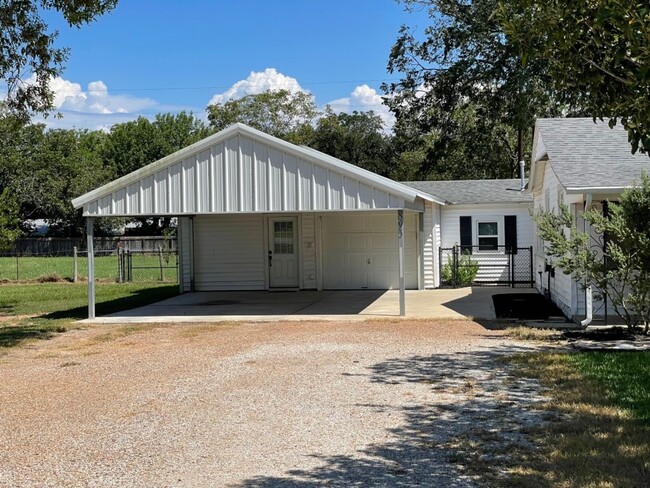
{"type": "Point", "coordinates": [597, 53]}
{"type": "Point", "coordinates": [464, 94]}
{"type": "Point", "coordinates": [281, 113]}
{"type": "Point", "coordinates": [29, 58]}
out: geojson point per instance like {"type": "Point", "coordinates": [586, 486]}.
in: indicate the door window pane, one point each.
{"type": "Point", "coordinates": [283, 237]}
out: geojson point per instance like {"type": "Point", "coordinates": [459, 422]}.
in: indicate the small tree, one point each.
{"type": "Point", "coordinates": [618, 265]}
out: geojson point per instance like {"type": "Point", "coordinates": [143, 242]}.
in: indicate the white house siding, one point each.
{"type": "Point", "coordinates": [450, 233]}
{"type": "Point", "coordinates": [431, 244]}
{"type": "Point", "coordinates": [548, 198]}
{"type": "Point", "coordinates": [308, 251]}
{"type": "Point", "coordinates": [360, 250]}
{"type": "Point", "coordinates": [185, 253]}
{"type": "Point", "coordinates": [230, 253]}
{"type": "Point", "coordinates": [241, 174]}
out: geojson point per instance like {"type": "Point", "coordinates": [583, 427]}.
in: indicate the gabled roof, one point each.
{"type": "Point", "coordinates": [227, 166]}
{"type": "Point", "coordinates": [585, 155]}
{"type": "Point", "coordinates": [461, 192]}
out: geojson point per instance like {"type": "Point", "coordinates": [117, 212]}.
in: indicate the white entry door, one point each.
{"type": "Point", "coordinates": [283, 253]}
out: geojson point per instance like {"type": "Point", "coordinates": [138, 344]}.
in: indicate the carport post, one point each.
{"type": "Point", "coordinates": [400, 251]}
{"type": "Point", "coordinates": [91, 268]}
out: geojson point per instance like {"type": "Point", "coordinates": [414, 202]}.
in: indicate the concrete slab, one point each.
{"type": "Point", "coordinates": [461, 303]}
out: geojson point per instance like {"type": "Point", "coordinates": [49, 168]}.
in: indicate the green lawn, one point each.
{"type": "Point", "coordinates": [146, 268]}
{"type": "Point", "coordinates": [601, 437]}
{"type": "Point", "coordinates": [58, 305]}
{"type": "Point", "coordinates": [624, 377]}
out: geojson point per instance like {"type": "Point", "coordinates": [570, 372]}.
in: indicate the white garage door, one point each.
{"type": "Point", "coordinates": [229, 253]}
{"type": "Point", "coordinates": [360, 251]}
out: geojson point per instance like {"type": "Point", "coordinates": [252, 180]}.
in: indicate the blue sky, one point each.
{"type": "Point", "coordinates": [150, 56]}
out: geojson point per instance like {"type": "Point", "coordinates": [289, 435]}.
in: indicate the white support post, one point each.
{"type": "Point", "coordinates": [400, 251]}
{"type": "Point", "coordinates": [91, 268]}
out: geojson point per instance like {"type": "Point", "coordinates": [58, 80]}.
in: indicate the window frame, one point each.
{"type": "Point", "coordinates": [499, 221]}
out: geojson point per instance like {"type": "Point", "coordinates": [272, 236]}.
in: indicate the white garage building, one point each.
{"type": "Point", "coordinates": [258, 213]}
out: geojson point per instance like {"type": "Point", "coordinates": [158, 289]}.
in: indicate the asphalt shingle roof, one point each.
{"type": "Point", "coordinates": [584, 154]}
{"type": "Point", "coordinates": [474, 191]}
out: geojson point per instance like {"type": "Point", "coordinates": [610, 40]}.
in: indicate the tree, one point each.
{"type": "Point", "coordinates": [356, 138]}
{"type": "Point", "coordinates": [9, 220]}
{"type": "Point", "coordinates": [28, 52]}
{"type": "Point", "coordinates": [618, 265]}
{"type": "Point", "coordinates": [462, 86]}
{"type": "Point", "coordinates": [132, 145]}
{"type": "Point", "coordinates": [281, 113]}
{"type": "Point", "coordinates": [597, 52]}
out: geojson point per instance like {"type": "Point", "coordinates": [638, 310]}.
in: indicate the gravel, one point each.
{"type": "Point", "coordinates": [296, 404]}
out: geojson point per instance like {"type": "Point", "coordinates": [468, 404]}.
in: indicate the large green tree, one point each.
{"type": "Point", "coordinates": [281, 113]}
{"type": "Point", "coordinates": [464, 96]}
{"type": "Point", "coordinates": [597, 52]}
{"type": "Point", "coordinates": [132, 145]}
{"type": "Point", "coordinates": [28, 49]}
{"type": "Point", "coordinates": [43, 170]}
{"type": "Point", "coordinates": [356, 138]}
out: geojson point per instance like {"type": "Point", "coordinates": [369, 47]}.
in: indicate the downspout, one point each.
{"type": "Point", "coordinates": [589, 312]}
{"type": "Point", "coordinates": [522, 174]}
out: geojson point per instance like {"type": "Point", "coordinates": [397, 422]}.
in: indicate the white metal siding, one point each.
{"type": "Point", "coordinates": [242, 175]}
{"type": "Point", "coordinates": [350, 240]}
{"type": "Point", "coordinates": [229, 253]}
{"type": "Point", "coordinates": [308, 251]}
{"type": "Point", "coordinates": [431, 236]}
{"type": "Point", "coordinates": [185, 253]}
{"type": "Point", "coordinates": [450, 232]}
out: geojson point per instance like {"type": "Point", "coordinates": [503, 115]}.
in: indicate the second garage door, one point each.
{"type": "Point", "coordinates": [360, 251]}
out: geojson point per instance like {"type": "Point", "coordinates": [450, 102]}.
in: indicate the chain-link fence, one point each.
{"type": "Point", "coordinates": [110, 265]}
{"type": "Point", "coordinates": [486, 266]}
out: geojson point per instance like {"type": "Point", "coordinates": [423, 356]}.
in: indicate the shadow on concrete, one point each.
{"type": "Point", "coordinates": [261, 303]}
{"type": "Point", "coordinates": [476, 401]}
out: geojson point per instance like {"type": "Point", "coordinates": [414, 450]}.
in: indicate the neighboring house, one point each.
{"type": "Point", "coordinates": [258, 213]}
{"type": "Point", "coordinates": [581, 164]}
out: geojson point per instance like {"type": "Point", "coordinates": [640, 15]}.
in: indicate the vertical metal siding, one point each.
{"type": "Point", "coordinates": [308, 251]}
{"type": "Point", "coordinates": [242, 175]}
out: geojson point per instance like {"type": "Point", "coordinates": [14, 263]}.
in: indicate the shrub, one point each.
{"type": "Point", "coordinates": [464, 275]}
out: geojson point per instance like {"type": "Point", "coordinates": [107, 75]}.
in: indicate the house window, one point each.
{"type": "Point", "coordinates": [488, 236]}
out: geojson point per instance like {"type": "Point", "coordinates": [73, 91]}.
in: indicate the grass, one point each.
{"type": "Point", "coordinates": [599, 435]}
{"type": "Point", "coordinates": [532, 334]}
{"type": "Point", "coordinates": [44, 268]}
{"type": "Point", "coordinates": [52, 307]}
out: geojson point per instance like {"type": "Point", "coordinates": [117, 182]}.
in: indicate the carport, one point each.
{"type": "Point", "coordinates": [258, 213]}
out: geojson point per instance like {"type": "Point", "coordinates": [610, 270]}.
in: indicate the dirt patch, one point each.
{"type": "Point", "coordinates": [376, 403]}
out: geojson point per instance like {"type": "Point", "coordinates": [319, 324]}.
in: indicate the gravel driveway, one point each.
{"type": "Point", "coordinates": [297, 404]}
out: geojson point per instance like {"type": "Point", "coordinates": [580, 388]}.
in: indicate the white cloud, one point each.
{"type": "Point", "coordinates": [93, 108]}
{"type": "Point", "coordinates": [258, 82]}
{"type": "Point", "coordinates": [363, 99]}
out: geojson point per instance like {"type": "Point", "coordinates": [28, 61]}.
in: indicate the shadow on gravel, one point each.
{"type": "Point", "coordinates": [477, 402]}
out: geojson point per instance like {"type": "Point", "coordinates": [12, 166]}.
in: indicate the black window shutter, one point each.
{"type": "Point", "coordinates": [510, 233]}
{"type": "Point", "coordinates": [466, 235]}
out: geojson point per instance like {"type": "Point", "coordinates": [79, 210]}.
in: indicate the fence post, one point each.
{"type": "Point", "coordinates": [455, 266]}
{"type": "Point", "coordinates": [120, 265]}
{"type": "Point", "coordinates": [75, 265]}
{"type": "Point", "coordinates": [532, 277]}
{"type": "Point", "coordinates": [129, 259]}
{"type": "Point", "coordinates": [160, 255]}
{"type": "Point", "coordinates": [511, 269]}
